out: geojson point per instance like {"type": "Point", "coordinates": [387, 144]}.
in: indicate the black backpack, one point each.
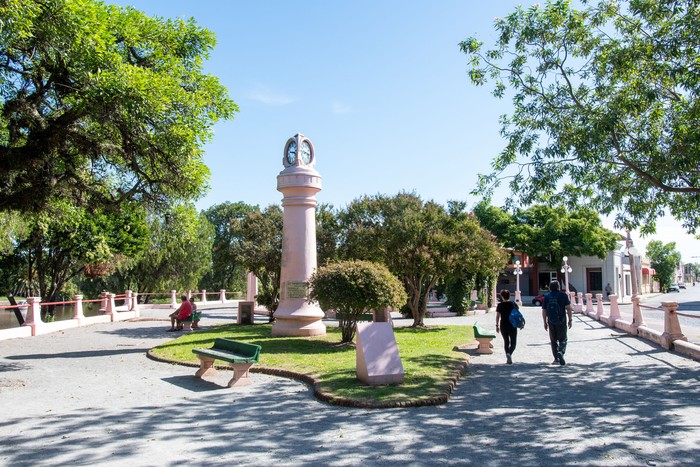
{"type": "Point", "coordinates": [555, 313]}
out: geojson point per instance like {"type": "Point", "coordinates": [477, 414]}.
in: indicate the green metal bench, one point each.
{"type": "Point", "coordinates": [187, 322]}
{"type": "Point", "coordinates": [240, 355]}
{"type": "Point", "coordinates": [484, 337]}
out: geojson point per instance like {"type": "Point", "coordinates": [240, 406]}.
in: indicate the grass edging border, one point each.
{"type": "Point", "coordinates": [440, 399]}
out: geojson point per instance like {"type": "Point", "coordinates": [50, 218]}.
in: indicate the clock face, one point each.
{"type": "Point", "coordinates": [292, 153]}
{"type": "Point", "coordinates": [305, 152]}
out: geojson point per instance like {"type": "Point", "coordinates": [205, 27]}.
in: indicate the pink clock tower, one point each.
{"type": "Point", "coordinates": [298, 182]}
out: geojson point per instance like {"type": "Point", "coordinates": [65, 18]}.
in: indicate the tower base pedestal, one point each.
{"type": "Point", "coordinates": [304, 321]}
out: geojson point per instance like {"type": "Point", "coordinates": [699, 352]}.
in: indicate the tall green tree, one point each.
{"type": "Point", "coordinates": [227, 272]}
{"type": "Point", "coordinates": [547, 232]}
{"type": "Point", "coordinates": [418, 241]}
{"type": "Point", "coordinates": [257, 246]}
{"type": "Point", "coordinates": [328, 233]}
{"type": "Point", "coordinates": [102, 104]}
{"type": "Point", "coordinates": [67, 241]}
{"type": "Point", "coordinates": [665, 260]}
{"type": "Point", "coordinates": [605, 106]}
{"type": "Point", "coordinates": [178, 253]}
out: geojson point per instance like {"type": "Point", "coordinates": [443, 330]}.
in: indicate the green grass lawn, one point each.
{"type": "Point", "coordinates": [428, 358]}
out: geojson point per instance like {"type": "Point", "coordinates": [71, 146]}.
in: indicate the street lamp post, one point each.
{"type": "Point", "coordinates": [632, 251]}
{"type": "Point", "coordinates": [566, 269]}
{"type": "Point", "coordinates": [518, 272]}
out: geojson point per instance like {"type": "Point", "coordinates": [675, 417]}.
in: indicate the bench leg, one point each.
{"type": "Point", "coordinates": [186, 325]}
{"type": "Point", "coordinates": [485, 345]}
{"type": "Point", "coordinates": [206, 366]}
{"type": "Point", "coordinates": [240, 375]}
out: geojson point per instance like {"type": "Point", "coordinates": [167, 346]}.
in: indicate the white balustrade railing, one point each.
{"type": "Point", "coordinates": [109, 311]}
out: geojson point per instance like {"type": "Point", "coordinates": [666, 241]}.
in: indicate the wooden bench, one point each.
{"type": "Point", "coordinates": [240, 355]}
{"type": "Point", "coordinates": [484, 337]}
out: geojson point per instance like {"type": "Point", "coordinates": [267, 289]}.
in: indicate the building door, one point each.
{"type": "Point", "coordinates": [594, 280]}
{"type": "Point", "coordinates": [544, 278]}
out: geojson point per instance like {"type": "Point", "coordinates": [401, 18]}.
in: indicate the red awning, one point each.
{"type": "Point", "coordinates": [648, 271]}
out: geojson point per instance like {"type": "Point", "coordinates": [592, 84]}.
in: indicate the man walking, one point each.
{"type": "Point", "coordinates": [556, 307]}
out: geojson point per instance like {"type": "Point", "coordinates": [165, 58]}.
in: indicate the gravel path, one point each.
{"type": "Point", "coordinates": [89, 396]}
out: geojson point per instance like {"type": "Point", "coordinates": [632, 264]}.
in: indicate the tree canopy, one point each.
{"type": "Point", "coordinates": [227, 272]}
{"type": "Point", "coordinates": [57, 246]}
{"type": "Point", "coordinates": [102, 104]}
{"type": "Point", "coordinates": [178, 253]}
{"type": "Point", "coordinates": [257, 245]}
{"type": "Point", "coordinates": [665, 260]}
{"type": "Point", "coordinates": [548, 232]}
{"type": "Point", "coordinates": [419, 241]}
{"type": "Point", "coordinates": [353, 287]}
{"type": "Point", "coordinates": [605, 106]}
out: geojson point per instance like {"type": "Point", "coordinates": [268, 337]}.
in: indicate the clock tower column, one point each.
{"type": "Point", "coordinates": [298, 182]}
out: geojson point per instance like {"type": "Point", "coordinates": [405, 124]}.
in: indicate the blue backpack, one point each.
{"type": "Point", "coordinates": [516, 318]}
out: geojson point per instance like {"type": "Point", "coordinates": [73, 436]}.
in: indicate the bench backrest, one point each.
{"type": "Point", "coordinates": [481, 332]}
{"type": "Point", "coordinates": [240, 348]}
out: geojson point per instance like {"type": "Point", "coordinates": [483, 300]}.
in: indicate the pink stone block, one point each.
{"type": "Point", "coordinates": [378, 360]}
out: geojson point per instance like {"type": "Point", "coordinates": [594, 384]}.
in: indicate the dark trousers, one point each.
{"type": "Point", "coordinates": [510, 338]}
{"type": "Point", "coordinates": [558, 338]}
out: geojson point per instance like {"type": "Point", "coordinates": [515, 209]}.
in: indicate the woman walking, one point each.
{"type": "Point", "coordinates": [509, 333]}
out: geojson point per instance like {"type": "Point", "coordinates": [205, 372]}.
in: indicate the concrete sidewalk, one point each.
{"type": "Point", "coordinates": [89, 396]}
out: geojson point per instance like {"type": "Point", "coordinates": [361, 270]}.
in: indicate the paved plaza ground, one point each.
{"type": "Point", "coordinates": [89, 396]}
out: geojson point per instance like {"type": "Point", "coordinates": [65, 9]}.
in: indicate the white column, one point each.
{"type": "Point", "coordinates": [34, 315]}
{"type": "Point", "coordinates": [637, 317]}
{"type": "Point", "coordinates": [251, 290]}
{"type": "Point", "coordinates": [78, 309]}
{"type": "Point", "coordinates": [103, 302]}
{"type": "Point", "coordinates": [672, 327]}
{"type": "Point", "coordinates": [614, 310]}
{"type": "Point", "coordinates": [135, 303]}
{"type": "Point", "coordinates": [599, 306]}
{"type": "Point", "coordinates": [111, 307]}
{"type": "Point", "coordinates": [295, 316]}
{"type": "Point", "coordinates": [589, 304]}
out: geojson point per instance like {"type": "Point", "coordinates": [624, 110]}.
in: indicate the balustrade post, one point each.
{"type": "Point", "coordinates": [223, 295]}
{"type": "Point", "coordinates": [579, 303]}
{"type": "Point", "coordinates": [127, 300]}
{"type": "Point", "coordinates": [33, 318]}
{"type": "Point", "coordinates": [589, 304]}
{"type": "Point", "coordinates": [111, 306]}
{"type": "Point", "coordinates": [103, 302]}
{"type": "Point", "coordinates": [672, 327]}
{"type": "Point", "coordinates": [78, 309]}
{"type": "Point", "coordinates": [173, 299]}
{"type": "Point", "coordinates": [599, 306]}
{"type": "Point", "coordinates": [614, 310]}
{"type": "Point", "coordinates": [637, 317]}
{"type": "Point", "coordinates": [135, 303]}
{"type": "Point", "coordinates": [204, 296]}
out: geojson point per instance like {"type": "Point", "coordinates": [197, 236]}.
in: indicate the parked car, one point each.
{"type": "Point", "coordinates": [681, 285]}
{"type": "Point", "coordinates": [538, 300]}
{"type": "Point", "coordinates": [673, 288]}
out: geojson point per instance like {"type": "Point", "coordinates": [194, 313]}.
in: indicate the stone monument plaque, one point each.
{"type": "Point", "coordinates": [296, 289]}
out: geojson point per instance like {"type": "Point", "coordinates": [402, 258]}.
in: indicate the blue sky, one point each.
{"type": "Point", "coordinates": [380, 87]}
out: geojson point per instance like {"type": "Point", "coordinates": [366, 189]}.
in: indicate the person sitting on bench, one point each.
{"type": "Point", "coordinates": [195, 315]}
{"type": "Point", "coordinates": [181, 313]}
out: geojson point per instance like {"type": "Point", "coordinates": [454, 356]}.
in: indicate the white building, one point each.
{"type": "Point", "coordinates": [590, 274]}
